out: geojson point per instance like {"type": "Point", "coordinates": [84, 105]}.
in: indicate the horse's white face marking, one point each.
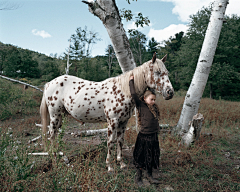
{"type": "Point", "coordinates": [158, 79]}
{"type": "Point", "coordinates": [104, 101]}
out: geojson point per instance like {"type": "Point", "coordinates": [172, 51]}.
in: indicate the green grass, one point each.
{"type": "Point", "coordinates": [205, 166]}
{"type": "Point", "coordinates": [14, 100]}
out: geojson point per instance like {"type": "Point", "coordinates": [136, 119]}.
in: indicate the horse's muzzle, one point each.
{"type": "Point", "coordinates": [168, 93]}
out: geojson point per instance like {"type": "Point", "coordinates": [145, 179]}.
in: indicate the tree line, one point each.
{"type": "Point", "coordinates": [22, 63]}
{"type": "Point", "coordinates": [183, 50]}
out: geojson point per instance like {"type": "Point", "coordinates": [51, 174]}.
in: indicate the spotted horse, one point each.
{"type": "Point", "coordinates": [106, 101]}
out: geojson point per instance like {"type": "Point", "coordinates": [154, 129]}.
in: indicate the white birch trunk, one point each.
{"type": "Point", "coordinates": [195, 91]}
{"type": "Point", "coordinates": [108, 13]}
{"type": "Point", "coordinates": [68, 65]}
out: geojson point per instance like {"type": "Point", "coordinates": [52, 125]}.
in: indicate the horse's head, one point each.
{"type": "Point", "coordinates": [157, 77]}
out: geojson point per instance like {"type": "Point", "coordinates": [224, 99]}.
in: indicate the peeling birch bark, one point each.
{"type": "Point", "coordinates": [194, 131]}
{"type": "Point", "coordinates": [13, 80]}
{"type": "Point", "coordinates": [108, 13]}
{"type": "Point", "coordinates": [195, 91]}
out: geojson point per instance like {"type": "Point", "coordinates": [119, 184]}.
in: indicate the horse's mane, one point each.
{"type": "Point", "coordinates": [139, 80]}
{"type": "Point", "coordinates": [139, 77]}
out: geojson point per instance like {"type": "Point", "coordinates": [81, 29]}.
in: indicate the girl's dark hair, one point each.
{"type": "Point", "coordinates": [153, 108]}
{"type": "Point", "coordinates": [149, 92]}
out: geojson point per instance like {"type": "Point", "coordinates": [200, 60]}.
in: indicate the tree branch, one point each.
{"type": "Point", "coordinates": [21, 83]}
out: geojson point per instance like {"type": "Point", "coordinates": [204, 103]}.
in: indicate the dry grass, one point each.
{"type": "Point", "coordinates": [211, 164]}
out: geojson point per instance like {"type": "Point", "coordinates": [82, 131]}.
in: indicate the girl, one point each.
{"type": "Point", "coordinates": [146, 152]}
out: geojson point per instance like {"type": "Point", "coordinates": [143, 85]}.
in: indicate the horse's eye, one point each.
{"type": "Point", "coordinates": [157, 72]}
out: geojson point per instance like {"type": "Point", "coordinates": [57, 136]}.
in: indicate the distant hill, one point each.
{"type": "Point", "coordinates": [17, 62]}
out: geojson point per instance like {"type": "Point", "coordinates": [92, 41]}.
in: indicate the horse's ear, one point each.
{"type": "Point", "coordinates": [164, 58]}
{"type": "Point", "coordinates": [154, 58]}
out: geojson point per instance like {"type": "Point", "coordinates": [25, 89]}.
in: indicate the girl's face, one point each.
{"type": "Point", "coordinates": [150, 99]}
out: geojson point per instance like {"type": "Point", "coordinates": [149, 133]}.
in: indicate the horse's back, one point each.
{"type": "Point", "coordinates": [83, 99]}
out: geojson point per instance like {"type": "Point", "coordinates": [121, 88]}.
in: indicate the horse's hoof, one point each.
{"type": "Point", "coordinates": [110, 170]}
{"type": "Point", "coordinates": [123, 165]}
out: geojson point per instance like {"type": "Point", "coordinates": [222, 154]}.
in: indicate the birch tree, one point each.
{"type": "Point", "coordinates": [111, 56]}
{"type": "Point", "coordinates": [138, 43]}
{"type": "Point", "coordinates": [107, 11]}
{"type": "Point", "coordinates": [195, 91]}
{"type": "Point", "coordinates": [68, 65]}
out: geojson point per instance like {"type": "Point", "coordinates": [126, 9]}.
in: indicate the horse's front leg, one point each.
{"type": "Point", "coordinates": [120, 142]}
{"type": "Point", "coordinates": [112, 129]}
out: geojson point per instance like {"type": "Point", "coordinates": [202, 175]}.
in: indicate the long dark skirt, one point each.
{"type": "Point", "coordinates": [146, 152]}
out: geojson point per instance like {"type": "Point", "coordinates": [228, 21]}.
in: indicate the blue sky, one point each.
{"type": "Point", "coordinates": [46, 25]}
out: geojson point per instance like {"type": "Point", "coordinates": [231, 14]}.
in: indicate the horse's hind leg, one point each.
{"type": "Point", "coordinates": [112, 128]}
{"type": "Point", "coordinates": [120, 141]}
{"type": "Point", "coordinates": [55, 124]}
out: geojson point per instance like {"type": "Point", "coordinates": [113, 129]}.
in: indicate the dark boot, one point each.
{"type": "Point", "coordinates": [138, 178]}
{"type": "Point", "coordinates": [150, 177]}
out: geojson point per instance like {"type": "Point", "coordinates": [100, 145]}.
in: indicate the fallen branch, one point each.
{"type": "Point", "coordinates": [41, 153]}
{"type": "Point", "coordinates": [85, 132]}
{"type": "Point", "coordinates": [34, 139]}
{"type": "Point", "coordinates": [89, 132]}
{"type": "Point", "coordinates": [45, 153]}
{"type": "Point", "coordinates": [164, 125]}
{"type": "Point", "coordinates": [38, 137]}
{"type": "Point", "coordinates": [65, 159]}
{"type": "Point", "coordinates": [40, 125]}
{"type": "Point", "coordinates": [21, 83]}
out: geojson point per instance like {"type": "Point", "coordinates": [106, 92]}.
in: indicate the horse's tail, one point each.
{"type": "Point", "coordinates": [44, 120]}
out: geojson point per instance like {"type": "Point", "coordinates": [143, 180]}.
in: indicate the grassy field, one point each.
{"type": "Point", "coordinates": [211, 164]}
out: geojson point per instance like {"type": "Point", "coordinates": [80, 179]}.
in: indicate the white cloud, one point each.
{"type": "Point", "coordinates": [185, 8]}
{"type": "Point", "coordinates": [42, 33]}
{"type": "Point", "coordinates": [130, 25]}
{"type": "Point", "coordinates": [164, 34]}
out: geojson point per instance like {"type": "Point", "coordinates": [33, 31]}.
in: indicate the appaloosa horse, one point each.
{"type": "Point", "coordinates": [106, 101]}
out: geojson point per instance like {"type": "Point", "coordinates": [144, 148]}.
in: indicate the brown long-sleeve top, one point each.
{"type": "Point", "coordinates": [149, 124]}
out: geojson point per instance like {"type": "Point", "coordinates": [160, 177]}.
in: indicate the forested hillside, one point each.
{"type": "Point", "coordinates": [183, 51]}
{"type": "Point", "coordinates": [22, 63]}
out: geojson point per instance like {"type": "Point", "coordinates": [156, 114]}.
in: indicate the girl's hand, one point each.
{"type": "Point", "coordinates": [131, 77]}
